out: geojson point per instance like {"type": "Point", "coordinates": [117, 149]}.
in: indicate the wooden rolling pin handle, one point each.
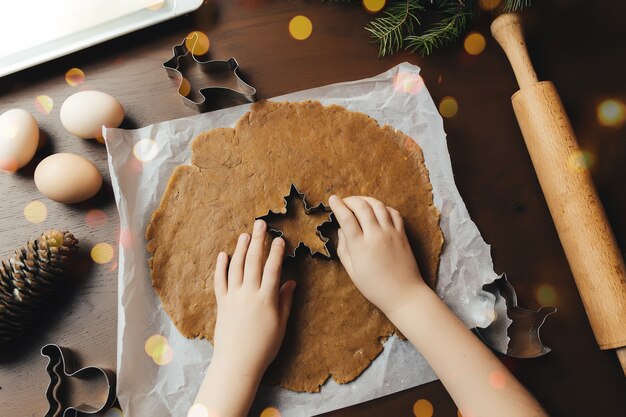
{"type": "Point", "coordinates": [507, 30]}
{"type": "Point", "coordinates": [579, 218]}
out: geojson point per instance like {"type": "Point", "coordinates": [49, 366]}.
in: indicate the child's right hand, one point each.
{"type": "Point", "coordinates": [374, 249]}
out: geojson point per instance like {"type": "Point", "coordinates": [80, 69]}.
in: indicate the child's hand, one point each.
{"type": "Point", "coordinates": [374, 249]}
{"type": "Point", "coordinates": [252, 306]}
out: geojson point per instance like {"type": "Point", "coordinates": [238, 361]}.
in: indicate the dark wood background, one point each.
{"type": "Point", "coordinates": [577, 44]}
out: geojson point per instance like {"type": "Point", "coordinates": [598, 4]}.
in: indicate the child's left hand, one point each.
{"type": "Point", "coordinates": [252, 306]}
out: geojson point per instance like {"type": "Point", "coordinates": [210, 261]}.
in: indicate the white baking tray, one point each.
{"type": "Point", "coordinates": [32, 32]}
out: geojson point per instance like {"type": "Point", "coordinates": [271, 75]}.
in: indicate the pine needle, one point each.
{"type": "Point", "coordinates": [399, 19]}
{"type": "Point", "coordinates": [448, 29]}
{"type": "Point", "coordinates": [514, 5]}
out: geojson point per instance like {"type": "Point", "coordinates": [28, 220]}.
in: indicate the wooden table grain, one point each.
{"type": "Point", "coordinates": [577, 45]}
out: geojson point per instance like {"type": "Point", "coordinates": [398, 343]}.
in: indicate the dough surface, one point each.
{"type": "Point", "coordinates": [240, 173]}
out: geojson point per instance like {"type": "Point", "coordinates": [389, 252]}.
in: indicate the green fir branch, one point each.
{"type": "Point", "coordinates": [455, 17]}
{"type": "Point", "coordinates": [399, 18]}
{"type": "Point", "coordinates": [400, 26]}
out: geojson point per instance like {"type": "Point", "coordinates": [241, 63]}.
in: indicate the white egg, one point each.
{"type": "Point", "coordinates": [67, 178]}
{"type": "Point", "coordinates": [19, 137]}
{"type": "Point", "coordinates": [83, 114]}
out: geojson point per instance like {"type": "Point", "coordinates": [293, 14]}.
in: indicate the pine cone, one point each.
{"type": "Point", "coordinates": [30, 277]}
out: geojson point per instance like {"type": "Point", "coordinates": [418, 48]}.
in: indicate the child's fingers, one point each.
{"type": "Point", "coordinates": [342, 252]}
{"type": "Point", "coordinates": [219, 279]}
{"type": "Point", "coordinates": [273, 266]}
{"type": "Point", "coordinates": [345, 217]}
{"type": "Point", "coordinates": [235, 271]}
{"type": "Point", "coordinates": [285, 299]}
{"type": "Point", "coordinates": [363, 213]}
{"type": "Point", "coordinates": [380, 211]}
{"type": "Point", "coordinates": [254, 258]}
{"type": "Point", "coordinates": [396, 217]}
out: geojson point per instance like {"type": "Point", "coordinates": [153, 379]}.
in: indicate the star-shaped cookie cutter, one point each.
{"type": "Point", "coordinates": [60, 367]}
{"type": "Point", "coordinates": [212, 97]}
{"type": "Point", "coordinates": [294, 193]}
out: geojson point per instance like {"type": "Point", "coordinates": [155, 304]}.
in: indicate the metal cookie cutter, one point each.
{"type": "Point", "coordinates": [60, 367]}
{"type": "Point", "coordinates": [523, 332]}
{"type": "Point", "coordinates": [294, 193]}
{"type": "Point", "coordinates": [226, 86]}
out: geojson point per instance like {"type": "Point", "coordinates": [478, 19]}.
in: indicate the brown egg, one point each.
{"type": "Point", "coordinates": [84, 113]}
{"type": "Point", "coordinates": [19, 137]}
{"type": "Point", "coordinates": [67, 178]}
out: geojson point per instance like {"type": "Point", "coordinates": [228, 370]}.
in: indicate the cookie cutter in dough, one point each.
{"type": "Point", "coordinates": [523, 332]}
{"type": "Point", "coordinates": [294, 193]}
{"type": "Point", "coordinates": [214, 96]}
{"type": "Point", "coordinates": [60, 367]}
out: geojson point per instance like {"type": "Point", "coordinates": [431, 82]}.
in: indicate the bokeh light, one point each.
{"type": "Point", "coordinates": [8, 164]}
{"type": "Point", "coordinates": [159, 349]}
{"type": "Point", "coordinates": [44, 104]}
{"type": "Point", "coordinates": [448, 107]}
{"type": "Point", "coordinates": [145, 150]}
{"type": "Point", "coordinates": [197, 42]}
{"type": "Point", "coordinates": [408, 82]}
{"type": "Point", "coordinates": [113, 412]}
{"type": "Point", "coordinates": [154, 5]}
{"type": "Point", "coordinates": [102, 253]}
{"type": "Point", "coordinates": [185, 87]}
{"type": "Point", "coordinates": [497, 379]}
{"type": "Point", "coordinates": [74, 77]}
{"type": "Point", "coordinates": [611, 112]}
{"type": "Point", "coordinates": [96, 218]}
{"type": "Point", "coordinates": [374, 6]}
{"type": "Point", "coordinates": [270, 412]}
{"type": "Point", "coordinates": [474, 43]}
{"type": "Point", "coordinates": [300, 27]}
{"type": "Point", "coordinates": [580, 161]}
{"type": "Point", "coordinates": [546, 295]}
{"type": "Point", "coordinates": [489, 5]}
{"type": "Point", "coordinates": [126, 238]}
{"type": "Point", "coordinates": [198, 410]}
{"type": "Point", "coordinates": [35, 212]}
{"type": "Point", "coordinates": [423, 408]}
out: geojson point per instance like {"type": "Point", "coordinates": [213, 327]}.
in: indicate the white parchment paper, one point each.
{"type": "Point", "coordinates": [396, 97]}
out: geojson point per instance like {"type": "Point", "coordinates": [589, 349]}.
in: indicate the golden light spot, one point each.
{"type": "Point", "coordinates": [185, 87]}
{"type": "Point", "coordinates": [44, 104]}
{"type": "Point", "coordinates": [270, 412]}
{"type": "Point", "coordinates": [474, 43]}
{"type": "Point", "coordinates": [35, 212]}
{"type": "Point", "coordinates": [74, 77]}
{"type": "Point", "coordinates": [580, 161]}
{"type": "Point", "coordinates": [374, 6]}
{"type": "Point", "coordinates": [8, 164]}
{"type": "Point", "coordinates": [198, 410]}
{"type": "Point", "coordinates": [153, 343]}
{"type": "Point", "coordinates": [497, 379]}
{"type": "Point", "coordinates": [154, 5]}
{"type": "Point", "coordinates": [489, 5]}
{"type": "Point", "coordinates": [96, 218]}
{"type": "Point", "coordinates": [408, 82]}
{"type": "Point", "coordinates": [145, 150]}
{"type": "Point", "coordinates": [611, 112]}
{"type": "Point", "coordinates": [102, 253]}
{"type": "Point", "coordinates": [300, 27]}
{"type": "Point", "coordinates": [114, 412]}
{"type": "Point", "coordinates": [546, 295]}
{"type": "Point", "coordinates": [448, 107]}
{"type": "Point", "coordinates": [423, 408]}
{"type": "Point", "coordinates": [197, 43]}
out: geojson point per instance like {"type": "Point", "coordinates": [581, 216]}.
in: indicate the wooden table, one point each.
{"type": "Point", "coordinates": [578, 46]}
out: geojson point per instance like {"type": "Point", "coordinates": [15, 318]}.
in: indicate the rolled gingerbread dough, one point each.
{"type": "Point", "coordinates": [240, 173]}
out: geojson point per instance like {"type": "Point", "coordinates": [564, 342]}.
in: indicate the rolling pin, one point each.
{"type": "Point", "coordinates": [582, 226]}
